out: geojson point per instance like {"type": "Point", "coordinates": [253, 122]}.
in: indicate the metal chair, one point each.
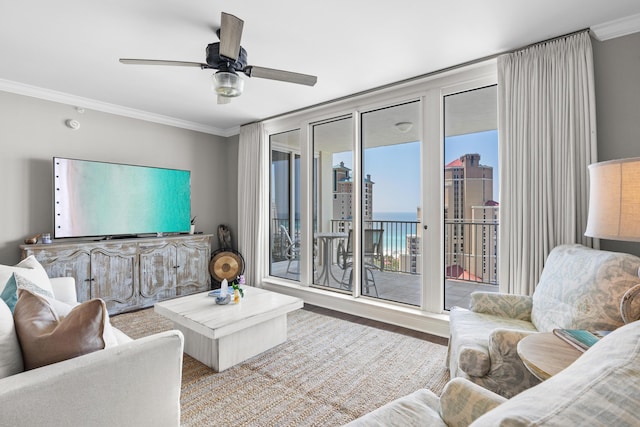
{"type": "Point", "coordinates": [373, 259]}
{"type": "Point", "coordinates": [290, 249]}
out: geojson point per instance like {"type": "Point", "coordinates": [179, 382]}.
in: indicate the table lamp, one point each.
{"type": "Point", "coordinates": [614, 210]}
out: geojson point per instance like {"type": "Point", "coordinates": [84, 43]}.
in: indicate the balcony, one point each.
{"type": "Point", "coordinates": [470, 258]}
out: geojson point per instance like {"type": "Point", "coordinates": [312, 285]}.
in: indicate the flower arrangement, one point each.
{"type": "Point", "coordinates": [235, 284]}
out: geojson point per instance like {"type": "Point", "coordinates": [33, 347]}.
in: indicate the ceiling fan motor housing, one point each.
{"type": "Point", "coordinates": [215, 60]}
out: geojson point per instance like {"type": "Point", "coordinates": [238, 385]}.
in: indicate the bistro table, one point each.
{"type": "Point", "coordinates": [327, 239]}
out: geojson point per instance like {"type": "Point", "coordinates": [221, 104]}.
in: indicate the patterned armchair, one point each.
{"type": "Point", "coordinates": [579, 288]}
{"type": "Point", "coordinates": [601, 388]}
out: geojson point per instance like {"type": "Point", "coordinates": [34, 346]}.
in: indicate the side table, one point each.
{"type": "Point", "coordinates": [544, 354]}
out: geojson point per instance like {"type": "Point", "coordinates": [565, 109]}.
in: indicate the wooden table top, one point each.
{"type": "Point", "coordinates": [544, 354]}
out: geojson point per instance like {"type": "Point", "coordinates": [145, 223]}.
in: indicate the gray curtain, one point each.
{"type": "Point", "coordinates": [547, 131]}
{"type": "Point", "coordinates": [251, 195]}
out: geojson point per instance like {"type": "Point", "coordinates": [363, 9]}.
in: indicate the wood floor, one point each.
{"type": "Point", "coordinates": [376, 324]}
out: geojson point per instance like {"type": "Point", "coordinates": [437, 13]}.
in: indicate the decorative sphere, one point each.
{"type": "Point", "coordinates": [223, 300]}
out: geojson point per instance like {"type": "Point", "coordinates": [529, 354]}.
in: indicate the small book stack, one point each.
{"type": "Point", "coordinates": [580, 338]}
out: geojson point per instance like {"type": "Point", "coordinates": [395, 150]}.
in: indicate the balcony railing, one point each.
{"type": "Point", "coordinates": [400, 246]}
{"type": "Point", "coordinates": [470, 248]}
{"type": "Point", "coordinates": [471, 251]}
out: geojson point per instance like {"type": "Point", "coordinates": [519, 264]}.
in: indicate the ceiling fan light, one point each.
{"type": "Point", "coordinates": [227, 84]}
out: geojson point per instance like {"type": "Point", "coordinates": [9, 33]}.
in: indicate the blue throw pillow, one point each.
{"type": "Point", "coordinates": [10, 293]}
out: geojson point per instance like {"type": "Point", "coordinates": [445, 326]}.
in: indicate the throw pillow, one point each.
{"type": "Point", "coordinates": [10, 354]}
{"type": "Point", "coordinates": [47, 339]}
{"type": "Point", "coordinates": [15, 282]}
{"type": "Point", "coordinates": [28, 268]}
{"type": "Point", "coordinates": [62, 309]}
{"type": "Point", "coordinates": [24, 283]}
{"type": "Point", "coordinates": [10, 293]}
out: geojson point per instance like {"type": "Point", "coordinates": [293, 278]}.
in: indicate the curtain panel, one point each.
{"type": "Point", "coordinates": [251, 232]}
{"type": "Point", "coordinates": [547, 132]}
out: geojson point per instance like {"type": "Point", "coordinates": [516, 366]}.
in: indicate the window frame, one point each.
{"type": "Point", "coordinates": [431, 90]}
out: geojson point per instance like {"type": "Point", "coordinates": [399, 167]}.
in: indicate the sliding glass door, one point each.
{"type": "Point", "coordinates": [333, 207]}
{"type": "Point", "coordinates": [284, 201]}
{"type": "Point", "coordinates": [471, 194]}
{"type": "Point", "coordinates": [367, 210]}
{"type": "Point", "coordinates": [392, 200]}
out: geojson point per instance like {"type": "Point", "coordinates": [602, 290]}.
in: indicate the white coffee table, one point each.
{"type": "Point", "coordinates": [221, 336]}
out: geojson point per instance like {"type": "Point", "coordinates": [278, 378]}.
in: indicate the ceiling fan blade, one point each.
{"type": "Point", "coordinates": [163, 62]}
{"type": "Point", "coordinates": [230, 35]}
{"type": "Point", "coordinates": [284, 76]}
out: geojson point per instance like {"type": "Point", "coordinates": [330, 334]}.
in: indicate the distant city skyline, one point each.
{"type": "Point", "coordinates": [395, 169]}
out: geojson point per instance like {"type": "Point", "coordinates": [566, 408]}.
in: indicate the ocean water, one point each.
{"type": "Point", "coordinates": [394, 237]}
{"type": "Point", "coordinates": [395, 216]}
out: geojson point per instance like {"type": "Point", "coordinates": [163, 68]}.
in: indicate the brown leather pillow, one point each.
{"type": "Point", "coordinates": [46, 339]}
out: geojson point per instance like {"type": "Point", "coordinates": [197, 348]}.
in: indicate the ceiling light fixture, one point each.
{"type": "Point", "coordinates": [404, 127]}
{"type": "Point", "coordinates": [227, 84]}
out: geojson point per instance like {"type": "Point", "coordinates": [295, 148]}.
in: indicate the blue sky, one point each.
{"type": "Point", "coordinates": [395, 169]}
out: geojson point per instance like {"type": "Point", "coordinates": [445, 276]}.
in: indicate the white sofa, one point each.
{"type": "Point", "coordinates": [134, 383]}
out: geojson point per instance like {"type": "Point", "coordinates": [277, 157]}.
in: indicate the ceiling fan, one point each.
{"type": "Point", "coordinates": [229, 58]}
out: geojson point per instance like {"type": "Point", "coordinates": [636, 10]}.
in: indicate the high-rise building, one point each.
{"type": "Point", "coordinates": [470, 248]}
{"type": "Point", "coordinates": [411, 258]}
{"type": "Point", "coordinates": [485, 241]}
{"type": "Point", "coordinates": [467, 183]}
{"type": "Point", "coordinates": [343, 194]}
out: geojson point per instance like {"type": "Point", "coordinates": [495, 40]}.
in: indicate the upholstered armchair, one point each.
{"type": "Point", "coordinates": [600, 388]}
{"type": "Point", "coordinates": [579, 288]}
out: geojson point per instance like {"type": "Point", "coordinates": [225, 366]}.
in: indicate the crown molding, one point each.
{"type": "Point", "coordinates": [91, 104]}
{"type": "Point", "coordinates": [616, 28]}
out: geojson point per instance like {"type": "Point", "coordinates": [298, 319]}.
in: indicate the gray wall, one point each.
{"type": "Point", "coordinates": [231, 196]}
{"type": "Point", "coordinates": [32, 131]}
{"type": "Point", "coordinates": [617, 80]}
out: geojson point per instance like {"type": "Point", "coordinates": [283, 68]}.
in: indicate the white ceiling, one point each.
{"type": "Point", "coordinates": [68, 50]}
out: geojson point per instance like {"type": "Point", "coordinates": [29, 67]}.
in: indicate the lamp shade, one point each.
{"type": "Point", "coordinates": [614, 200]}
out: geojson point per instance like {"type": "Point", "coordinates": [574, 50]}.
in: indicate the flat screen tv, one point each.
{"type": "Point", "coordinates": [112, 200]}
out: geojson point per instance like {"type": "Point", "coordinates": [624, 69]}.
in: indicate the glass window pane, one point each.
{"type": "Point", "coordinates": [284, 222]}
{"type": "Point", "coordinates": [333, 203]}
{"type": "Point", "coordinates": [471, 195]}
{"type": "Point", "coordinates": [391, 267]}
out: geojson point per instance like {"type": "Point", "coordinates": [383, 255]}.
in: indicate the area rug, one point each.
{"type": "Point", "coordinates": [329, 371]}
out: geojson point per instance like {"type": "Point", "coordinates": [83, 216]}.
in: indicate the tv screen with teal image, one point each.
{"type": "Point", "coordinates": [110, 199]}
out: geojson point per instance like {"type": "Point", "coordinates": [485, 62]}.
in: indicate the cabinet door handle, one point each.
{"type": "Point", "coordinates": [176, 266]}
